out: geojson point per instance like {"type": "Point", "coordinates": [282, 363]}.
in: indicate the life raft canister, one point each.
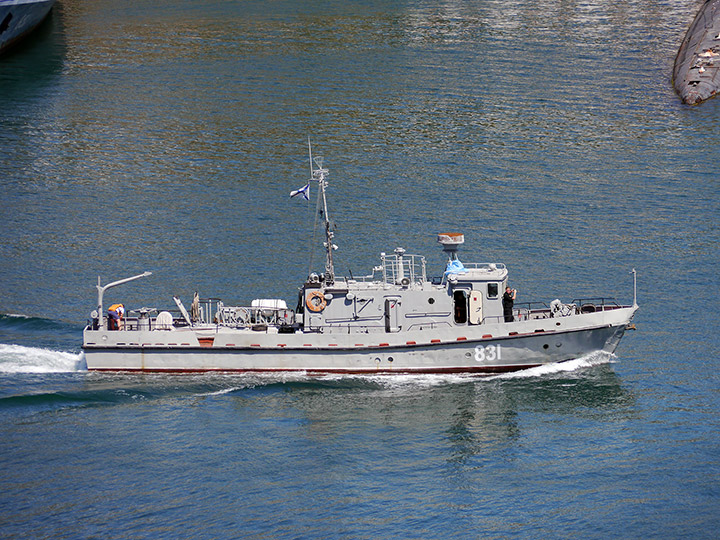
{"type": "Point", "coordinates": [316, 301]}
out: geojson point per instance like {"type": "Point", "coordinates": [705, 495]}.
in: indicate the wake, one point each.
{"type": "Point", "coordinates": [20, 359]}
{"type": "Point", "coordinates": [588, 361]}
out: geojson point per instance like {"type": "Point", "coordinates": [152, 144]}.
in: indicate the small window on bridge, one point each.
{"type": "Point", "coordinates": [493, 289]}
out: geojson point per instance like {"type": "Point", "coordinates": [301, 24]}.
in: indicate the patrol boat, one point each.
{"type": "Point", "coordinates": [394, 320]}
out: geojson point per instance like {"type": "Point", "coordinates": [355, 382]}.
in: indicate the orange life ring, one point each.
{"type": "Point", "coordinates": [316, 301]}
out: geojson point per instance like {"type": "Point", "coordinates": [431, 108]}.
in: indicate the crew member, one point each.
{"type": "Point", "coordinates": [508, 301]}
{"type": "Point", "coordinates": [115, 315]}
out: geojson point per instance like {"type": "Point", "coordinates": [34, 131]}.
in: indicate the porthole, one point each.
{"type": "Point", "coordinates": [546, 346]}
{"type": "Point", "coordinates": [431, 300]}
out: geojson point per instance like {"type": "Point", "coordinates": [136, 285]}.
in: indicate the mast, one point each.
{"type": "Point", "coordinates": [319, 174]}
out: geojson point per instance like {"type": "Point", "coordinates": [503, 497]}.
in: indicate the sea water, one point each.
{"type": "Point", "coordinates": [167, 136]}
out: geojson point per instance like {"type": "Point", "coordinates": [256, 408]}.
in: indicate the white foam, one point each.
{"type": "Point", "coordinates": [420, 380]}
{"type": "Point", "coordinates": [19, 359]}
{"type": "Point", "coordinates": [589, 360]}
{"type": "Point", "coordinates": [220, 392]}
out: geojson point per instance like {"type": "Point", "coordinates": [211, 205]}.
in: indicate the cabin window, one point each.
{"type": "Point", "coordinates": [461, 306]}
{"type": "Point", "coordinates": [493, 290]}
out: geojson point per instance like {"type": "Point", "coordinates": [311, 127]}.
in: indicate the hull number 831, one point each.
{"type": "Point", "coordinates": [488, 354]}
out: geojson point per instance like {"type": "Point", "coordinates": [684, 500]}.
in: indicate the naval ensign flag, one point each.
{"type": "Point", "coordinates": [304, 191]}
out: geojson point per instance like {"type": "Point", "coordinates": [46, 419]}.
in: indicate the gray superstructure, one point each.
{"type": "Point", "coordinates": [394, 320]}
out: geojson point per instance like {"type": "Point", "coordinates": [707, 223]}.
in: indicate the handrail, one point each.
{"type": "Point", "coordinates": [599, 300]}
{"type": "Point", "coordinates": [402, 268]}
{"type": "Point", "coordinates": [485, 266]}
{"type": "Point", "coordinates": [242, 316]}
{"type": "Point", "coordinates": [541, 306]}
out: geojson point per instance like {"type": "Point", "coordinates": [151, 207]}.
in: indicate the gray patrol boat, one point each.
{"type": "Point", "coordinates": [395, 320]}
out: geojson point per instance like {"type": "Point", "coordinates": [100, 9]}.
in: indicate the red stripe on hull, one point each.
{"type": "Point", "coordinates": [479, 370]}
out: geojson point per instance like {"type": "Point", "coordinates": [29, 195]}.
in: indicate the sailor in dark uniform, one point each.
{"type": "Point", "coordinates": [508, 300]}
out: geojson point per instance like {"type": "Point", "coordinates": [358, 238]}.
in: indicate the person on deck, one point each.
{"type": "Point", "coordinates": [115, 315]}
{"type": "Point", "coordinates": [508, 300]}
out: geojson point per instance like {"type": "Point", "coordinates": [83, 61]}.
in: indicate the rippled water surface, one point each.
{"type": "Point", "coordinates": [166, 136]}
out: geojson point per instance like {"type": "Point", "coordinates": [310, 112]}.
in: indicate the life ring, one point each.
{"type": "Point", "coordinates": [316, 301]}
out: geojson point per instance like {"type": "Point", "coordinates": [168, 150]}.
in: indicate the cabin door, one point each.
{"type": "Point", "coordinates": [392, 317]}
{"type": "Point", "coordinates": [475, 315]}
{"type": "Point", "coordinates": [460, 301]}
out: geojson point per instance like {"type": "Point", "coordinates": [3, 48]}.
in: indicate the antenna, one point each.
{"type": "Point", "coordinates": [310, 152]}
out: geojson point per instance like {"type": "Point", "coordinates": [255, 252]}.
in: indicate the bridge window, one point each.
{"type": "Point", "coordinates": [493, 289]}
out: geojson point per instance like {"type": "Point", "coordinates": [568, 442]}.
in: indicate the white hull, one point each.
{"type": "Point", "coordinates": [480, 349]}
